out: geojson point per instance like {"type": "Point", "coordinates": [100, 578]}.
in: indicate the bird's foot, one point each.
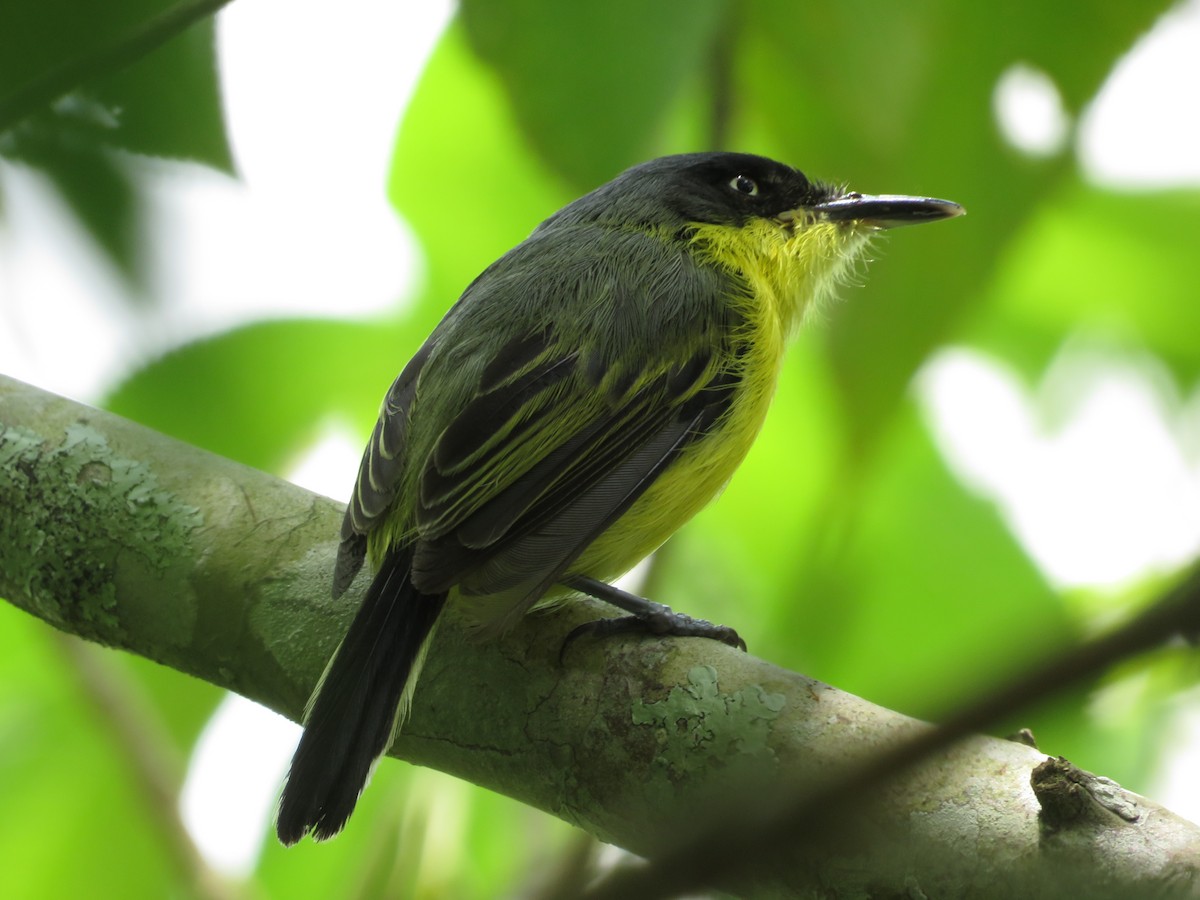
{"type": "Point", "coordinates": [645, 617]}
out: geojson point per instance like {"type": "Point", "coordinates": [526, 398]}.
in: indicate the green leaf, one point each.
{"type": "Point", "coordinates": [905, 106]}
{"type": "Point", "coordinates": [934, 582]}
{"type": "Point", "coordinates": [101, 191]}
{"type": "Point", "coordinates": [591, 83]}
{"type": "Point", "coordinates": [164, 103]}
{"type": "Point", "coordinates": [259, 393]}
{"type": "Point", "coordinates": [66, 784]}
{"type": "Point", "coordinates": [161, 102]}
{"type": "Point", "coordinates": [462, 176]}
{"type": "Point", "coordinates": [1117, 264]}
{"type": "Point", "coordinates": [168, 102]}
{"type": "Point", "coordinates": [40, 36]}
{"type": "Point", "coordinates": [878, 580]}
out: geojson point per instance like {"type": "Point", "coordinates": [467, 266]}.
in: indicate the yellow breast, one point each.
{"type": "Point", "coordinates": [785, 271]}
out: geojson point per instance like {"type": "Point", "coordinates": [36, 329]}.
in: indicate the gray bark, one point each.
{"type": "Point", "coordinates": [131, 539]}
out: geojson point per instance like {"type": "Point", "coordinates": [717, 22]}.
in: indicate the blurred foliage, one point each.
{"type": "Point", "coordinates": [608, 111]}
{"type": "Point", "coordinates": [165, 102]}
{"type": "Point", "coordinates": [844, 548]}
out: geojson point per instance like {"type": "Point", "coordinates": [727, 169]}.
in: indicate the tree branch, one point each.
{"type": "Point", "coordinates": [1066, 794]}
{"type": "Point", "coordinates": [134, 540]}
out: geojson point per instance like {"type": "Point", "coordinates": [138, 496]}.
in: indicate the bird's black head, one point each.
{"type": "Point", "coordinates": [716, 188]}
{"type": "Point", "coordinates": [724, 188]}
{"type": "Point", "coordinates": [735, 188]}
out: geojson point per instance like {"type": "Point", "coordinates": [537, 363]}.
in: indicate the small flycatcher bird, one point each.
{"type": "Point", "coordinates": [589, 392]}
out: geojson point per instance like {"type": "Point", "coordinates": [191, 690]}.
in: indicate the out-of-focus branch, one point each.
{"type": "Point", "coordinates": [149, 757]}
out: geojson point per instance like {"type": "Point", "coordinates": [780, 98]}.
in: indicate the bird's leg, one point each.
{"type": "Point", "coordinates": [645, 616]}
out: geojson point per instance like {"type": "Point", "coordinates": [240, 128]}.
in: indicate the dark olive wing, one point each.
{"type": "Point", "coordinates": [619, 357]}
{"type": "Point", "coordinates": [537, 466]}
{"type": "Point", "coordinates": [379, 472]}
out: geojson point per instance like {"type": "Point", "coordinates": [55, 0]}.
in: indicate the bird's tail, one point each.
{"type": "Point", "coordinates": [358, 702]}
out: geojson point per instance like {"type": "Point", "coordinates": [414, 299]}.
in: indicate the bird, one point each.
{"type": "Point", "coordinates": [588, 393]}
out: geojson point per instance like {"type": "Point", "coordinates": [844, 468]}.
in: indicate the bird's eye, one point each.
{"type": "Point", "coordinates": [744, 185]}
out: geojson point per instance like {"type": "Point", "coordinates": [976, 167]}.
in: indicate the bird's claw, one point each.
{"type": "Point", "coordinates": [662, 621]}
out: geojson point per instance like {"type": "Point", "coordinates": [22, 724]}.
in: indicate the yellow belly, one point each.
{"type": "Point", "coordinates": [697, 475]}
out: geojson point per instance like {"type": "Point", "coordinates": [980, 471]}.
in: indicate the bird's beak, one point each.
{"type": "Point", "coordinates": [875, 210]}
{"type": "Point", "coordinates": [883, 210]}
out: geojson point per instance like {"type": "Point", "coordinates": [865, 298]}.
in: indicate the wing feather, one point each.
{"type": "Point", "coordinates": [511, 460]}
{"type": "Point", "coordinates": [523, 536]}
{"type": "Point", "coordinates": [379, 472]}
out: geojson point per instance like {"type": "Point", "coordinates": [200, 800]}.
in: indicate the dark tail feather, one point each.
{"type": "Point", "coordinates": [352, 716]}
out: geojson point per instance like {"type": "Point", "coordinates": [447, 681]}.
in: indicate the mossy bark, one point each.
{"type": "Point", "coordinates": [131, 539]}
